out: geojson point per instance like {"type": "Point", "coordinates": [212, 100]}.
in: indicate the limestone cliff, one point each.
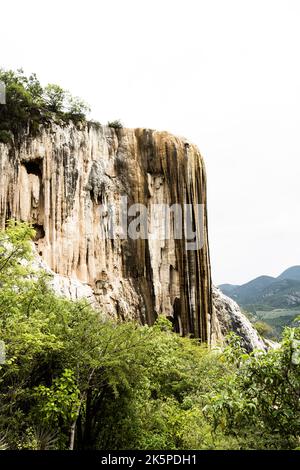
{"type": "Point", "coordinates": [66, 182]}
{"type": "Point", "coordinates": [230, 318]}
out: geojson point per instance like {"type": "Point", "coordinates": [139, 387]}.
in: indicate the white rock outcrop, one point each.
{"type": "Point", "coordinates": [230, 318]}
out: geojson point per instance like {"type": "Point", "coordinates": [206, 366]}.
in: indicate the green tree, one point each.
{"type": "Point", "coordinates": [29, 105]}
{"type": "Point", "coordinates": [117, 124]}
{"type": "Point", "coordinates": [260, 403]}
{"type": "Point", "coordinates": [55, 97]}
{"type": "Point", "coordinates": [264, 329]}
{"type": "Point", "coordinates": [77, 108]}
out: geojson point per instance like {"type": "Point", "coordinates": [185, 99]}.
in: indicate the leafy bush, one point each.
{"type": "Point", "coordinates": [259, 405]}
{"type": "Point", "coordinates": [5, 137]}
{"type": "Point", "coordinates": [117, 124]}
{"type": "Point", "coordinates": [28, 105]}
{"type": "Point", "coordinates": [264, 329]}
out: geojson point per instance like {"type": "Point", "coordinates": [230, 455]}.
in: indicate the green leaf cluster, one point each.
{"type": "Point", "coordinates": [30, 105]}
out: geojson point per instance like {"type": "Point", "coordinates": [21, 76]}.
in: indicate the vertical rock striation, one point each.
{"type": "Point", "coordinates": [68, 181]}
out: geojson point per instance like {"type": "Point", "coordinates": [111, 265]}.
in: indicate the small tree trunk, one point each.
{"type": "Point", "coordinates": [73, 428]}
{"type": "Point", "coordinates": [72, 435]}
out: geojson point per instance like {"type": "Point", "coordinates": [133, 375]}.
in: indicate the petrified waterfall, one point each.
{"type": "Point", "coordinates": [66, 180]}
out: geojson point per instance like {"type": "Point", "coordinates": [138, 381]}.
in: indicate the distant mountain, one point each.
{"type": "Point", "coordinates": [274, 300]}
{"type": "Point", "coordinates": [228, 289]}
{"type": "Point", "coordinates": [291, 273]}
{"type": "Point", "coordinates": [249, 292]}
{"type": "Point", "coordinates": [267, 291]}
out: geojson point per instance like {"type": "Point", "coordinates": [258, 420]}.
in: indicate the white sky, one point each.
{"type": "Point", "coordinates": [225, 74]}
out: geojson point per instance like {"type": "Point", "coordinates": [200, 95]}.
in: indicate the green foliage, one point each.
{"type": "Point", "coordinates": [60, 401]}
{"type": "Point", "coordinates": [94, 124]}
{"type": "Point", "coordinates": [5, 137]}
{"type": "Point", "coordinates": [63, 104]}
{"type": "Point", "coordinates": [117, 124]}
{"type": "Point", "coordinates": [260, 403]}
{"type": "Point", "coordinates": [264, 329]}
{"type": "Point", "coordinates": [39, 438]}
{"type": "Point", "coordinates": [75, 379]}
{"type": "Point", "coordinates": [76, 108]}
{"type": "Point", "coordinates": [55, 97]}
{"type": "Point", "coordinates": [28, 105]}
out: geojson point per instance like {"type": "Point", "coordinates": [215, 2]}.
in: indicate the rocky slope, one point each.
{"type": "Point", "coordinates": [230, 318]}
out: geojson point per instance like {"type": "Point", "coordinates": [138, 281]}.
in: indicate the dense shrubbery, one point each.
{"type": "Point", "coordinates": [260, 404]}
{"type": "Point", "coordinates": [117, 124]}
{"type": "Point", "coordinates": [73, 379]}
{"type": "Point", "coordinates": [265, 330]}
{"type": "Point", "coordinates": [28, 105]}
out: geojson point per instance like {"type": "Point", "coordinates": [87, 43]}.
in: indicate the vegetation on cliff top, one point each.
{"type": "Point", "coordinates": [117, 124]}
{"type": "Point", "coordinates": [73, 379]}
{"type": "Point", "coordinates": [29, 104]}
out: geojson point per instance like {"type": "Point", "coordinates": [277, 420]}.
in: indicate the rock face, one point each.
{"type": "Point", "coordinates": [230, 318]}
{"type": "Point", "coordinates": [71, 184]}
{"type": "Point", "coordinates": [64, 286]}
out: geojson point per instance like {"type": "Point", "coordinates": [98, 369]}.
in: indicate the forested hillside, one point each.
{"type": "Point", "coordinates": [71, 378]}
{"type": "Point", "coordinates": [274, 301]}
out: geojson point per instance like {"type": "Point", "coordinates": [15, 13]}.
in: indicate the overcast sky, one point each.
{"type": "Point", "coordinates": [225, 74]}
